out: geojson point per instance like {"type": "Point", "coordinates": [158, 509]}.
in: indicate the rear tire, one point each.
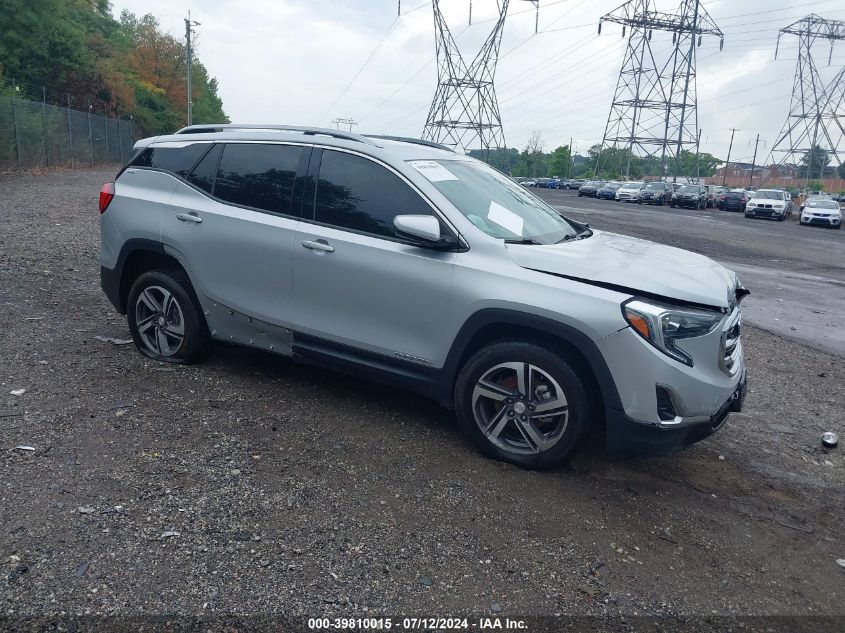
{"type": "Point", "coordinates": [165, 318]}
{"type": "Point", "coordinates": [529, 400]}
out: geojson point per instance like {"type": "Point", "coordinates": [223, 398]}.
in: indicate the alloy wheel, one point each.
{"type": "Point", "coordinates": [159, 321]}
{"type": "Point", "coordinates": [520, 408]}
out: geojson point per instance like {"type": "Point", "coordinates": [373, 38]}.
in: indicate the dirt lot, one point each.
{"type": "Point", "coordinates": [250, 484]}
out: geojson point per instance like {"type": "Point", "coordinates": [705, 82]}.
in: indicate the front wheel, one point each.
{"type": "Point", "coordinates": [522, 403]}
{"type": "Point", "coordinates": [165, 319]}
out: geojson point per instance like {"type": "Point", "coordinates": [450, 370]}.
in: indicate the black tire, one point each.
{"type": "Point", "coordinates": [196, 342]}
{"type": "Point", "coordinates": [671, 205]}
{"type": "Point", "coordinates": [580, 411]}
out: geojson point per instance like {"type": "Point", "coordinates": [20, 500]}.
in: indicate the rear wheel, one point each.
{"type": "Point", "coordinates": [522, 403]}
{"type": "Point", "coordinates": [165, 319]}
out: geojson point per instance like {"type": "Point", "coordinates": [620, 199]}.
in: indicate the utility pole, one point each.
{"type": "Point", "coordinates": [728, 161]}
{"type": "Point", "coordinates": [814, 121]}
{"type": "Point", "coordinates": [345, 122]}
{"type": "Point", "coordinates": [654, 109]}
{"type": "Point", "coordinates": [189, 30]}
{"type": "Point", "coordinates": [464, 112]}
{"type": "Point", "coordinates": [754, 161]}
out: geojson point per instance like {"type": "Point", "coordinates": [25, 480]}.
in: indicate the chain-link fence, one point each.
{"type": "Point", "coordinates": [39, 134]}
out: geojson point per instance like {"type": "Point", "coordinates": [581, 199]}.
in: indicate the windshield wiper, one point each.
{"type": "Point", "coordinates": [566, 238]}
{"type": "Point", "coordinates": [524, 240]}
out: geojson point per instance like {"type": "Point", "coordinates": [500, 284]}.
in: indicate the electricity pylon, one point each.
{"type": "Point", "coordinates": [654, 113]}
{"type": "Point", "coordinates": [816, 112]}
{"type": "Point", "coordinates": [464, 113]}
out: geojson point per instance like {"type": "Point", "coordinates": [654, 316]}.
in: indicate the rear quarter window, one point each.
{"type": "Point", "coordinates": [176, 160]}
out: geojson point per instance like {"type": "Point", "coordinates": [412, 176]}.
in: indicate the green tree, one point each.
{"type": "Point", "coordinates": [841, 170]}
{"type": "Point", "coordinates": [814, 161]}
{"type": "Point", "coordinates": [560, 162]}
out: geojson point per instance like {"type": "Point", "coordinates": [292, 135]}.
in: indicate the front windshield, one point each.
{"type": "Point", "coordinates": [612, 185]}
{"type": "Point", "coordinates": [632, 185]}
{"type": "Point", "coordinates": [653, 186]}
{"type": "Point", "coordinates": [823, 204]}
{"type": "Point", "coordinates": [493, 202]}
{"type": "Point", "coordinates": [689, 189]}
{"type": "Point", "coordinates": [768, 195]}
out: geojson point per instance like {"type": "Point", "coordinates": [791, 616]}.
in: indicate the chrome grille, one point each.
{"type": "Point", "coordinates": [731, 344]}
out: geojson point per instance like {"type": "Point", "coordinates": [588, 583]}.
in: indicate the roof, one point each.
{"type": "Point", "coordinates": [385, 147]}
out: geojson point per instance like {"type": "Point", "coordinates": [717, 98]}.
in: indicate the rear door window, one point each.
{"type": "Point", "coordinates": [358, 194]}
{"type": "Point", "coordinates": [205, 171]}
{"type": "Point", "coordinates": [258, 175]}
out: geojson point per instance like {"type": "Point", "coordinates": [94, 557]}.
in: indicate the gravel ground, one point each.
{"type": "Point", "coordinates": [253, 485]}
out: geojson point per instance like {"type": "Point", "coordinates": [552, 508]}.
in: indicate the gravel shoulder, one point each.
{"type": "Point", "coordinates": [253, 485]}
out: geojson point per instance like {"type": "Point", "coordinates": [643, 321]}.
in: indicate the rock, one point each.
{"type": "Point", "coordinates": [236, 472]}
{"type": "Point", "coordinates": [425, 581]}
{"type": "Point", "coordinates": [169, 534]}
{"type": "Point", "coordinates": [17, 572]}
{"type": "Point", "coordinates": [80, 571]}
{"type": "Point", "coordinates": [17, 392]}
{"type": "Point", "coordinates": [85, 510]}
{"type": "Point", "coordinates": [830, 439]}
{"type": "Point", "coordinates": [495, 607]}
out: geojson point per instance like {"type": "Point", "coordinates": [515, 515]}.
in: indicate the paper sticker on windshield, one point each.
{"type": "Point", "coordinates": [505, 218]}
{"type": "Point", "coordinates": [435, 172]}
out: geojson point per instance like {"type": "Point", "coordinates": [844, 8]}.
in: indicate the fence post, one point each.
{"type": "Point", "coordinates": [17, 133]}
{"type": "Point", "coordinates": [44, 125]}
{"type": "Point", "coordinates": [119, 142]}
{"type": "Point", "coordinates": [106, 126]}
{"type": "Point", "coordinates": [90, 137]}
{"type": "Point", "coordinates": [70, 132]}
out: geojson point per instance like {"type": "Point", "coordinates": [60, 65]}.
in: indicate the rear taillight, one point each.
{"type": "Point", "coordinates": [106, 195]}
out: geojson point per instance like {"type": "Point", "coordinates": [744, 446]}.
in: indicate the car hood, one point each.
{"type": "Point", "coordinates": [632, 265]}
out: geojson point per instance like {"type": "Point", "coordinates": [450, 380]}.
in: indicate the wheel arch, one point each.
{"type": "Point", "coordinates": [136, 257]}
{"type": "Point", "coordinates": [495, 324]}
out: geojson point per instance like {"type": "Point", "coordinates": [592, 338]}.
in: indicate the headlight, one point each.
{"type": "Point", "coordinates": [663, 325]}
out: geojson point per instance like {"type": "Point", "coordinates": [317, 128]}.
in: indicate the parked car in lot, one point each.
{"type": "Point", "coordinates": [712, 192]}
{"type": "Point", "coordinates": [694, 196]}
{"type": "Point", "coordinates": [734, 200]}
{"type": "Point", "coordinates": [815, 195]}
{"type": "Point", "coordinates": [629, 192]}
{"type": "Point", "coordinates": [769, 203]}
{"type": "Point", "coordinates": [575, 183]}
{"type": "Point", "coordinates": [554, 183]}
{"type": "Point", "coordinates": [340, 249]}
{"type": "Point", "coordinates": [822, 213]}
{"type": "Point", "coordinates": [590, 189]}
{"type": "Point", "coordinates": [608, 190]}
{"type": "Point", "coordinates": [655, 193]}
{"type": "Point", "coordinates": [530, 182]}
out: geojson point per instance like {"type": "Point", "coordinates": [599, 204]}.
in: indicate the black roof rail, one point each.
{"type": "Point", "coordinates": [408, 139]}
{"type": "Point", "coordinates": [311, 131]}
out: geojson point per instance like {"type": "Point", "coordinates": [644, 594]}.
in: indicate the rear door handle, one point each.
{"type": "Point", "coordinates": [189, 217]}
{"type": "Point", "coordinates": [318, 245]}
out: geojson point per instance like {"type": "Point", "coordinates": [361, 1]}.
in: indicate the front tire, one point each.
{"type": "Point", "coordinates": [521, 403]}
{"type": "Point", "coordinates": [165, 318]}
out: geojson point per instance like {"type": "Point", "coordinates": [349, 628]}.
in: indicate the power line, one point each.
{"type": "Point", "coordinates": [360, 70]}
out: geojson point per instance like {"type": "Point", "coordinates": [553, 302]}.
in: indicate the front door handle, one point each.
{"type": "Point", "coordinates": [189, 217]}
{"type": "Point", "coordinates": [318, 245]}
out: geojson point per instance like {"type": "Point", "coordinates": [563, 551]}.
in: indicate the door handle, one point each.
{"type": "Point", "coordinates": [318, 245]}
{"type": "Point", "coordinates": [189, 217]}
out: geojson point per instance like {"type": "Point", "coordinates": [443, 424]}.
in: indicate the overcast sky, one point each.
{"type": "Point", "coordinates": [290, 61]}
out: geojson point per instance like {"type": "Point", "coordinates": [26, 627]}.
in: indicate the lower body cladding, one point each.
{"type": "Point", "coordinates": [657, 201]}
{"type": "Point", "coordinates": [666, 405]}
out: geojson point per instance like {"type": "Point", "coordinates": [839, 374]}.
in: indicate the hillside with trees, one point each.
{"type": "Point", "coordinates": [120, 67]}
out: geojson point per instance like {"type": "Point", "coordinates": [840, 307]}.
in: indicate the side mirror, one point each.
{"type": "Point", "coordinates": [418, 227]}
{"type": "Point", "coordinates": [424, 231]}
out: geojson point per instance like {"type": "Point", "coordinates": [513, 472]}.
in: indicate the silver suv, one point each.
{"type": "Point", "coordinates": [401, 260]}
